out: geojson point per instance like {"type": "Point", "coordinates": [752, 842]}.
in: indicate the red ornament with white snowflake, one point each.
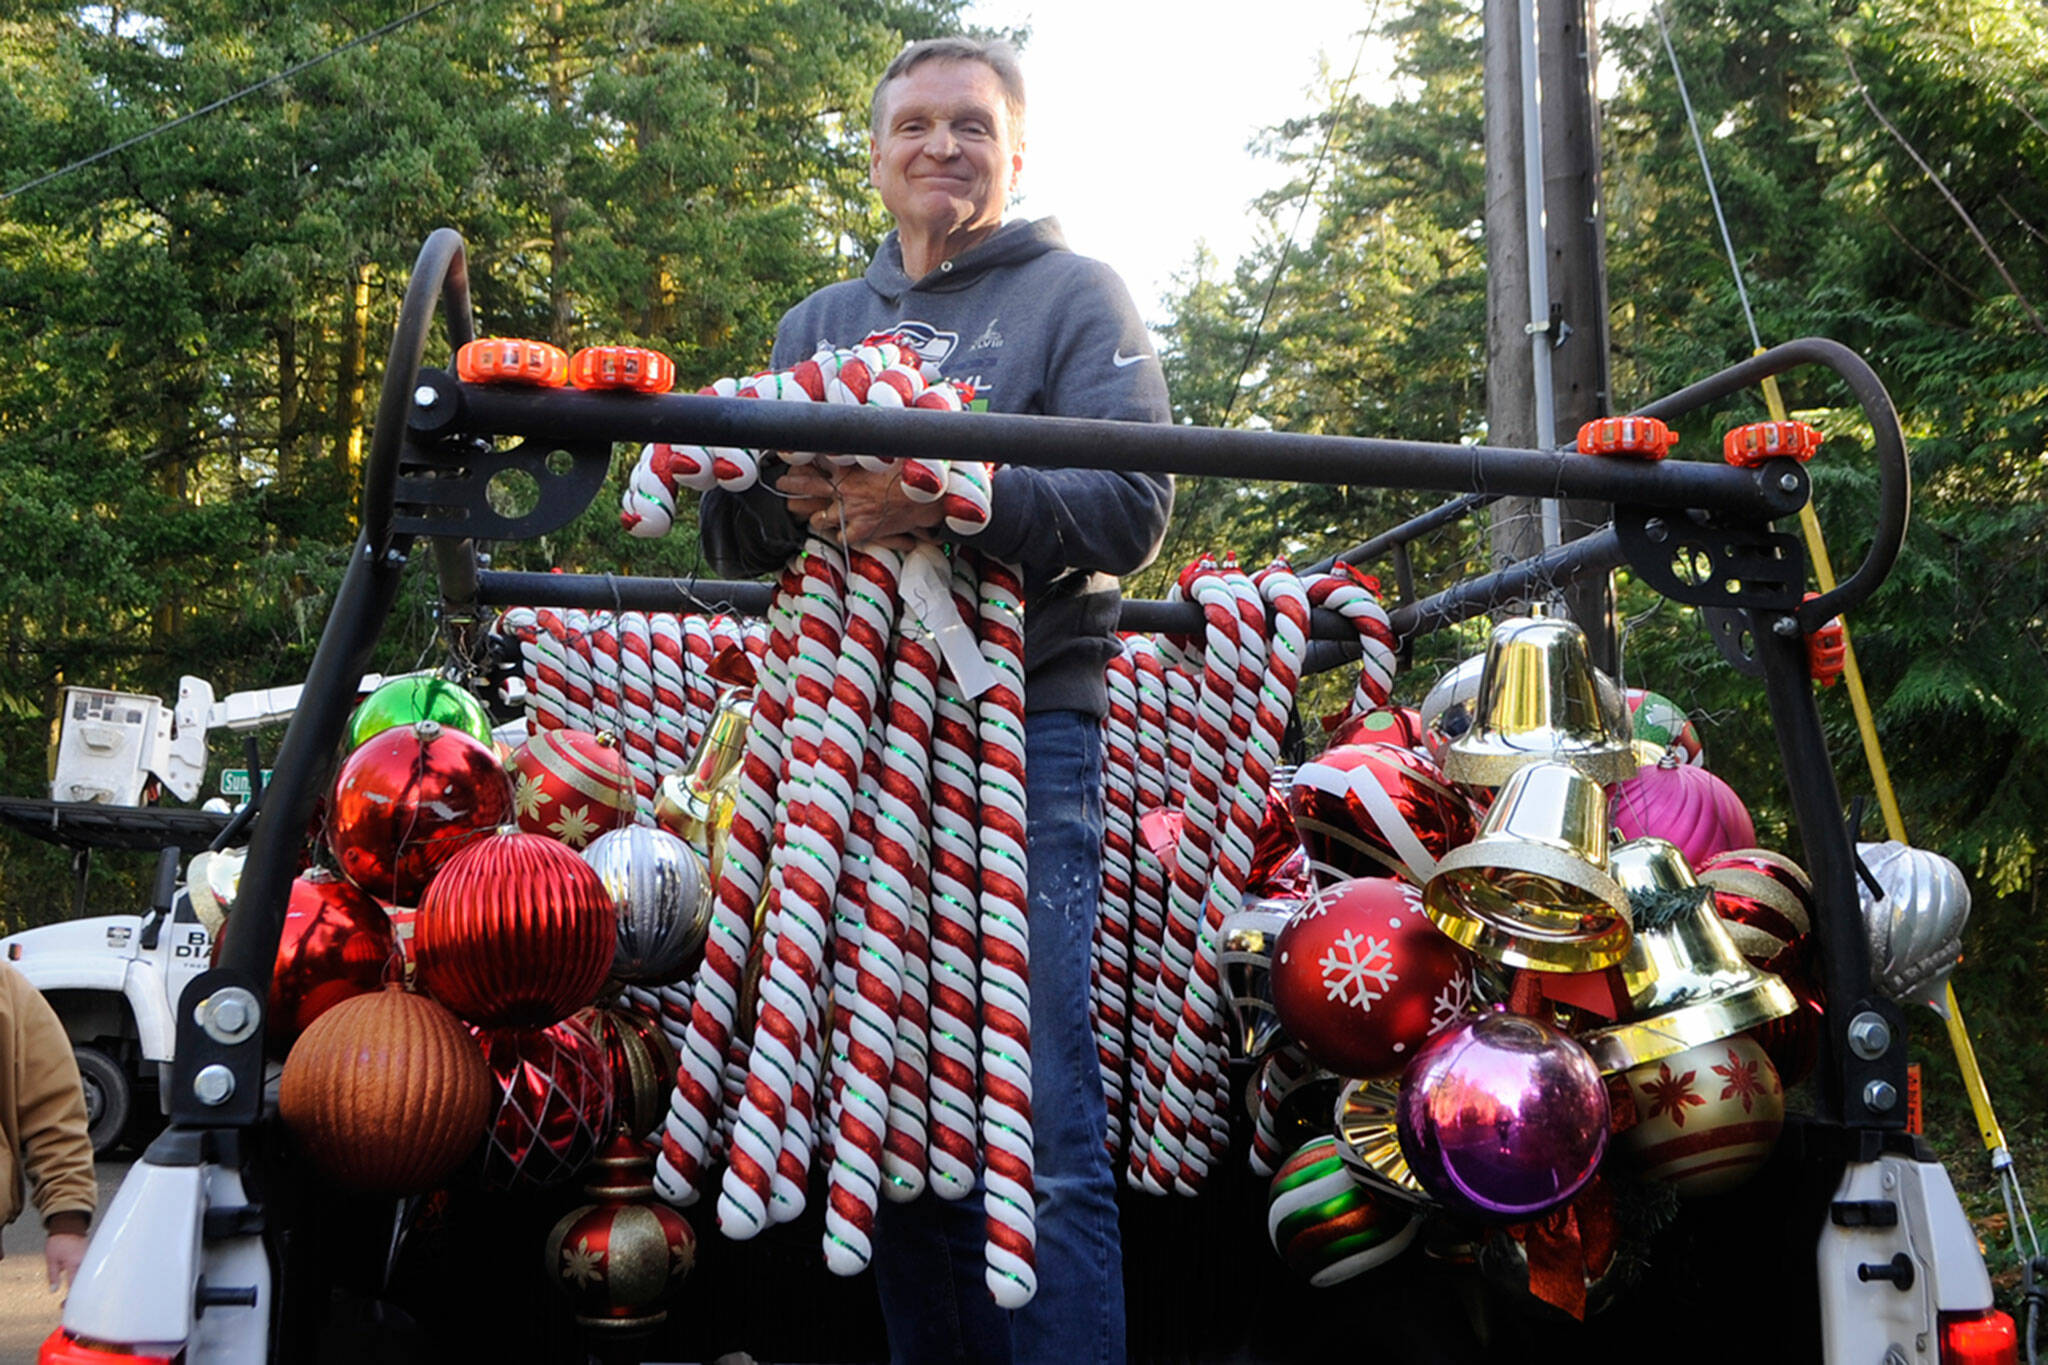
{"type": "Point", "coordinates": [571, 785]}
{"type": "Point", "coordinates": [1361, 977]}
{"type": "Point", "coordinates": [1707, 1119]}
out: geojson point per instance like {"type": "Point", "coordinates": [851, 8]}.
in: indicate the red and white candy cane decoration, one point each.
{"type": "Point", "coordinates": [955, 1064]}
{"type": "Point", "coordinates": [671, 684]}
{"type": "Point", "coordinates": [1111, 966]}
{"type": "Point", "coordinates": [1006, 1130]}
{"type": "Point", "coordinates": [1356, 597]}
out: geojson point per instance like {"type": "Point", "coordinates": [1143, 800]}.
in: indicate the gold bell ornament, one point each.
{"type": "Point", "coordinates": [1533, 890]}
{"type": "Point", "coordinates": [1687, 984]}
{"type": "Point", "coordinates": [1540, 700]}
{"type": "Point", "coordinates": [696, 805]}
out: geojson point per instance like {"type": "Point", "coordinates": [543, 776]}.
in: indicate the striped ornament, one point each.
{"type": "Point", "coordinates": [1707, 1119]}
{"type": "Point", "coordinates": [1326, 1226]}
{"type": "Point", "coordinates": [571, 785]}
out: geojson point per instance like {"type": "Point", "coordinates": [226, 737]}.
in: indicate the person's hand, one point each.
{"type": "Point", "coordinates": [856, 506]}
{"type": "Point", "coordinates": [62, 1253]}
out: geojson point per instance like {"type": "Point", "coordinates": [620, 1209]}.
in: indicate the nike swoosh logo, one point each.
{"type": "Point", "coordinates": [1120, 359]}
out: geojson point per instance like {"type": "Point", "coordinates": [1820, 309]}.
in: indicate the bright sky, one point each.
{"type": "Point", "coordinates": [1142, 111]}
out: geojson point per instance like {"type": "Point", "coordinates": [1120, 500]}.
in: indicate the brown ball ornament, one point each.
{"type": "Point", "coordinates": [515, 932]}
{"type": "Point", "coordinates": [386, 1093]}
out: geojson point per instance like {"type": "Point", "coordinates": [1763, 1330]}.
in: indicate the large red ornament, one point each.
{"type": "Point", "coordinates": [1767, 903]}
{"type": "Point", "coordinates": [1377, 810]}
{"type": "Point", "coordinates": [623, 1257]}
{"type": "Point", "coordinates": [386, 1093]}
{"type": "Point", "coordinates": [409, 799]}
{"type": "Point", "coordinates": [572, 785]}
{"type": "Point", "coordinates": [1361, 977]}
{"type": "Point", "coordinates": [1695, 810]}
{"type": "Point", "coordinates": [516, 931]}
{"type": "Point", "coordinates": [1707, 1119]}
{"type": "Point", "coordinates": [336, 943]}
{"type": "Point", "coordinates": [551, 1103]}
{"type": "Point", "coordinates": [1275, 845]}
{"type": "Point", "coordinates": [1400, 726]}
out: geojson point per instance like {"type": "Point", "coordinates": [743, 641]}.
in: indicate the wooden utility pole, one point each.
{"type": "Point", "coordinates": [1575, 248]}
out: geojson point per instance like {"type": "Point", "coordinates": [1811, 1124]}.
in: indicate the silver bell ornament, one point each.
{"type": "Point", "coordinates": [1244, 957]}
{"type": "Point", "coordinates": [657, 885]}
{"type": "Point", "coordinates": [1915, 929]}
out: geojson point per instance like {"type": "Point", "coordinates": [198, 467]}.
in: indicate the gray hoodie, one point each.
{"type": "Point", "coordinates": [1036, 329]}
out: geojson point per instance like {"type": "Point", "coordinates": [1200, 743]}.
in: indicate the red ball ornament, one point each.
{"type": "Point", "coordinates": [385, 1093]}
{"type": "Point", "coordinates": [1361, 977]}
{"type": "Point", "coordinates": [336, 943]}
{"type": "Point", "coordinates": [409, 799]}
{"type": "Point", "coordinates": [1793, 1041]}
{"type": "Point", "coordinates": [1662, 724]}
{"type": "Point", "coordinates": [1275, 844]}
{"type": "Point", "coordinates": [1400, 726]}
{"type": "Point", "coordinates": [623, 1257]}
{"type": "Point", "coordinates": [516, 931]}
{"type": "Point", "coordinates": [1767, 903]}
{"type": "Point", "coordinates": [1689, 806]}
{"type": "Point", "coordinates": [572, 785]}
{"type": "Point", "coordinates": [551, 1103]}
{"type": "Point", "coordinates": [1707, 1119]}
{"type": "Point", "coordinates": [1377, 810]}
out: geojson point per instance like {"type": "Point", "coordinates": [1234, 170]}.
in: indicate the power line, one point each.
{"type": "Point", "coordinates": [226, 100]}
{"type": "Point", "coordinates": [1307, 196]}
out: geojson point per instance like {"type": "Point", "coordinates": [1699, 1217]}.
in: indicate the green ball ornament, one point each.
{"type": "Point", "coordinates": [409, 700]}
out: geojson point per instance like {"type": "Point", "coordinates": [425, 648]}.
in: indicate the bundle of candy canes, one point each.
{"type": "Point", "coordinates": [883, 371]}
{"type": "Point", "coordinates": [1196, 726]}
{"type": "Point", "coordinates": [880, 828]}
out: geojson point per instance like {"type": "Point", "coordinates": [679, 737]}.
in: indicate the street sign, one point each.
{"type": "Point", "coordinates": [235, 781]}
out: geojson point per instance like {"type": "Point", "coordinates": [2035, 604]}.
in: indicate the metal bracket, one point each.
{"type": "Point", "coordinates": [448, 489]}
{"type": "Point", "coordinates": [1729, 629]}
{"type": "Point", "coordinates": [1740, 567]}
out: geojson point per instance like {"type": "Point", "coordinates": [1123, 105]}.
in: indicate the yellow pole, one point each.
{"type": "Point", "coordinates": [1895, 824]}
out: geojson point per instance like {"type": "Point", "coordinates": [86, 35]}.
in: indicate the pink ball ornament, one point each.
{"type": "Point", "coordinates": [1361, 978]}
{"type": "Point", "coordinates": [409, 799]}
{"type": "Point", "coordinates": [1689, 806]}
{"type": "Point", "coordinates": [1502, 1117]}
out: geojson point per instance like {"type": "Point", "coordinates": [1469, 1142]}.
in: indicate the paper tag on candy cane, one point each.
{"type": "Point", "coordinates": [928, 592]}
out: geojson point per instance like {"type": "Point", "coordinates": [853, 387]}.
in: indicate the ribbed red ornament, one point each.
{"type": "Point", "coordinates": [621, 1258]}
{"type": "Point", "coordinates": [409, 799]}
{"type": "Point", "coordinates": [551, 1103]}
{"type": "Point", "coordinates": [386, 1093]}
{"type": "Point", "coordinates": [336, 943]}
{"type": "Point", "coordinates": [515, 932]}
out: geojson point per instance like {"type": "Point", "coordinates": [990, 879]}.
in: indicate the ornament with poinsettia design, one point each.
{"type": "Point", "coordinates": [1361, 978]}
{"type": "Point", "coordinates": [517, 931]}
{"type": "Point", "coordinates": [1377, 810]}
{"type": "Point", "coordinates": [1706, 1119]}
{"type": "Point", "coordinates": [622, 1258]}
{"type": "Point", "coordinates": [571, 785]}
{"type": "Point", "coordinates": [551, 1103]}
{"type": "Point", "coordinates": [408, 800]}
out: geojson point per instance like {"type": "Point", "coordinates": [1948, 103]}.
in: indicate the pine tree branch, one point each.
{"type": "Point", "coordinates": [1983, 243]}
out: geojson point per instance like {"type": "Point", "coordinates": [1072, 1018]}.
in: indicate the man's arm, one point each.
{"type": "Point", "coordinates": [50, 1111]}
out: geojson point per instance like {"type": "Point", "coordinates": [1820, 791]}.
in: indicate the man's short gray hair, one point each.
{"type": "Point", "coordinates": [996, 54]}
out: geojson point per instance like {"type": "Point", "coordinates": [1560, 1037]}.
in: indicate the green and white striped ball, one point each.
{"type": "Point", "coordinates": [1327, 1226]}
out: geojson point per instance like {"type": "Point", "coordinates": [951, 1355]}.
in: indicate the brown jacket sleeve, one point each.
{"type": "Point", "coordinates": [49, 1105]}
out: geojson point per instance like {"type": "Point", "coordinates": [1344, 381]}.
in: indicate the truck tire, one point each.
{"type": "Point", "coordinates": [108, 1097]}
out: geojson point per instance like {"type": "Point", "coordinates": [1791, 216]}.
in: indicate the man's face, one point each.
{"type": "Point", "coordinates": [945, 157]}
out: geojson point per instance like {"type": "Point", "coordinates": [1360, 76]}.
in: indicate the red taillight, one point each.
{"type": "Point", "coordinates": [1984, 1338]}
{"type": "Point", "coordinates": [61, 1348]}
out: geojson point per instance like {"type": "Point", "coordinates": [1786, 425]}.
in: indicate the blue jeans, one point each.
{"type": "Point", "coordinates": [928, 1253]}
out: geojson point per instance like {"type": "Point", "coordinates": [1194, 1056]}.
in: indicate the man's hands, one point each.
{"type": "Point", "coordinates": [856, 506]}
{"type": "Point", "coordinates": [62, 1252]}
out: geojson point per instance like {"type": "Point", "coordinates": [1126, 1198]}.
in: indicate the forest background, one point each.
{"type": "Point", "coordinates": [197, 325]}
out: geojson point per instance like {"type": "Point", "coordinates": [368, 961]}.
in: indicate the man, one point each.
{"type": "Point", "coordinates": [1006, 307]}
{"type": "Point", "coordinates": [42, 1126]}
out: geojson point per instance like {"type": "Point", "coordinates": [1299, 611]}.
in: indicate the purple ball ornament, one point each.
{"type": "Point", "coordinates": [1502, 1117]}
